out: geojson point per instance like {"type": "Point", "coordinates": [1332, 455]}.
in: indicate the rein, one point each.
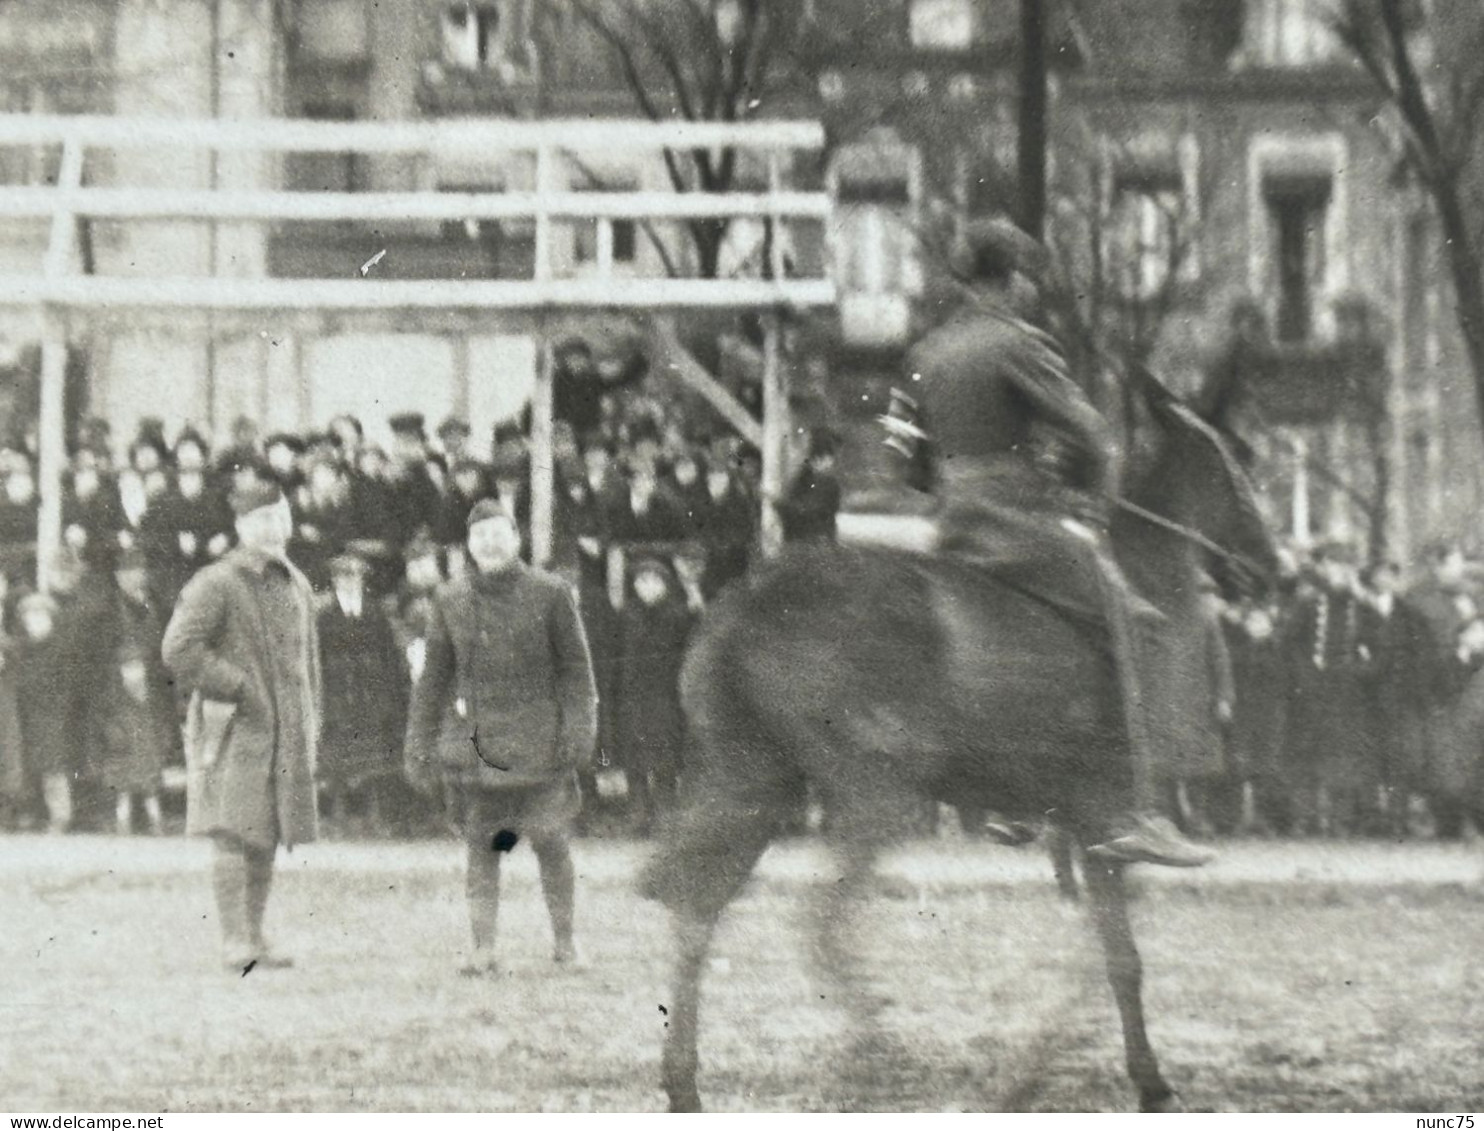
{"type": "Point", "coordinates": [1194, 536]}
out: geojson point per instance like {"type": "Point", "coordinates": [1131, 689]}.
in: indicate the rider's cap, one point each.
{"type": "Point", "coordinates": [993, 249]}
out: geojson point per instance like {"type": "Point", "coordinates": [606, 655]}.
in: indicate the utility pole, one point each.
{"type": "Point", "coordinates": [1031, 135]}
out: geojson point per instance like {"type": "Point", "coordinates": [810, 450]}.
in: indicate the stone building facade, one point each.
{"type": "Point", "coordinates": [1209, 158]}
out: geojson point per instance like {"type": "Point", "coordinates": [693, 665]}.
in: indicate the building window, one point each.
{"type": "Point", "coordinates": [471, 36]}
{"type": "Point", "coordinates": [1298, 212]}
{"type": "Point", "coordinates": [1149, 232]}
{"type": "Point", "coordinates": [623, 234]}
{"type": "Point", "coordinates": [941, 25]}
{"type": "Point", "coordinates": [325, 172]}
{"type": "Point", "coordinates": [1292, 33]}
{"type": "Point", "coordinates": [332, 30]}
{"type": "Point", "coordinates": [873, 242]}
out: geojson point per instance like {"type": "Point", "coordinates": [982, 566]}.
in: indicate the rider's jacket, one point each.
{"type": "Point", "coordinates": [1002, 409]}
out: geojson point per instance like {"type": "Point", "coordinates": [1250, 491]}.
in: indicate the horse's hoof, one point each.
{"type": "Point", "coordinates": [685, 1102]}
{"type": "Point", "coordinates": [1166, 1101]}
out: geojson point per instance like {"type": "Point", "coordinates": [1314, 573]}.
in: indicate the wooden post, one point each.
{"type": "Point", "coordinates": [775, 435]}
{"type": "Point", "coordinates": [51, 427]}
{"type": "Point", "coordinates": [51, 436]}
{"type": "Point", "coordinates": [542, 461]}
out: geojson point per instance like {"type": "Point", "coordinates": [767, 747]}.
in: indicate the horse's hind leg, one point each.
{"type": "Point", "coordinates": [1126, 974]}
{"type": "Point", "coordinates": [704, 859]}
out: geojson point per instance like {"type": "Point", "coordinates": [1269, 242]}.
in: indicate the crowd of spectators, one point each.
{"type": "Point", "coordinates": [1349, 701]}
{"type": "Point", "coordinates": [654, 514]}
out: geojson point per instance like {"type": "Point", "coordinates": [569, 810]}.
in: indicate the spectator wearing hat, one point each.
{"type": "Point", "coordinates": [242, 449]}
{"type": "Point", "coordinates": [655, 618]}
{"type": "Point", "coordinates": [91, 513]}
{"type": "Point", "coordinates": [282, 450]}
{"type": "Point", "coordinates": [810, 507]}
{"type": "Point", "coordinates": [728, 525]}
{"type": "Point", "coordinates": [1331, 759]}
{"type": "Point", "coordinates": [365, 697]}
{"type": "Point", "coordinates": [46, 679]}
{"type": "Point", "coordinates": [133, 714]}
{"type": "Point", "coordinates": [323, 522]}
{"type": "Point", "coordinates": [243, 640]}
{"type": "Point", "coordinates": [349, 438]}
{"type": "Point", "coordinates": [502, 716]}
{"type": "Point", "coordinates": [577, 386]}
{"type": "Point", "coordinates": [413, 494]}
{"type": "Point", "coordinates": [453, 435]}
{"type": "Point", "coordinates": [186, 529]}
{"type": "Point", "coordinates": [510, 483]}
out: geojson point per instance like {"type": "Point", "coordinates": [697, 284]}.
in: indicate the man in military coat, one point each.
{"type": "Point", "coordinates": [502, 716]}
{"type": "Point", "coordinates": [243, 642]}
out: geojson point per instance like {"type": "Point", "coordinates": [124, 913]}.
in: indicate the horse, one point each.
{"type": "Point", "coordinates": [862, 673]}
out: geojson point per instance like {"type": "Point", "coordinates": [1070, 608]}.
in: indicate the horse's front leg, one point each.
{"type": "Point", "coordinates": [1109, 901]}
{"type": "Point", "coordinates": [680, 1060]}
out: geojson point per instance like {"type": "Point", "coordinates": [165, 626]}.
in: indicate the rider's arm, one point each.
{"type": "Point", "coordinates": [1040, 373]}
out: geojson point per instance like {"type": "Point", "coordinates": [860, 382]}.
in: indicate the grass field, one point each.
{"type": "Point", "coordinates": [1285, 978]}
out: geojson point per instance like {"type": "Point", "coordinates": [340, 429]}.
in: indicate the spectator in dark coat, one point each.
{"type": "Point", "coordinates": [18, 523]}
{"type": "Point", "coordinates": [323, 522]}
{"type": "Point", "coordinates": [811, 506]}
{"type": "Point", "coordinates": [92, 515]}
{"type": "Point", "coordinates": [1259, 712]}
{"type": "Point", "coordinates": [655, 623]}
{"type": "Point", "coordinates": [365, 693]}
{"type": "Point", "coordinates": [243, 641]}
{"type": "Point", "coordinates": [727, 527]}
{"type": "Point", "coordinates": [1443, 668]}
{"type": "Point", "coordinates": [1332, 759]}
{"type": "Point", "coordinates": [45, 694]}
{"type": "Point", "coordinates": [502, 716]}
{"type": "Point", "coordinates": [133, 718]}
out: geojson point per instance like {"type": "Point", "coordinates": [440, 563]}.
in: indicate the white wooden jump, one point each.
{"type": "Point", "coordinates": [57, 288]}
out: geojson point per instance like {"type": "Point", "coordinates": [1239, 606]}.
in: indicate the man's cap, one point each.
{"type": "Point", "coordinates": [288, 440]}
{"type": "Point", "coordinates": [994, 248]}
{"type": "Point", "coordinates": [408, 424]}
{"type": "Point", "coordinates": [486, 509]}
{"type": "Point", "coordinates": [253, 489]}
{"type": "Point", "coordinates": [454, 426]}
{"type": "Point", "coordinates": [348, 565]}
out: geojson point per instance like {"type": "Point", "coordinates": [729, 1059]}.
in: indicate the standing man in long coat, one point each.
{"type": "Point", "coordinates": [503, 715]}
{"type": "Point", "coordinates": [243, 642]}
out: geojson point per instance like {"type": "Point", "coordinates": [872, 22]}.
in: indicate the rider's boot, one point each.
{"type": "Point", "coordinates": [1149, 838]}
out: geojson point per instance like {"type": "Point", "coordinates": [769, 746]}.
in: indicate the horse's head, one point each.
{"type": "Point", "coordinates": [1187, 473]}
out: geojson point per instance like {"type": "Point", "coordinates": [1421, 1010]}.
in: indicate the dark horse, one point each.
{"type": "Point", "coordinates": [864, 674]}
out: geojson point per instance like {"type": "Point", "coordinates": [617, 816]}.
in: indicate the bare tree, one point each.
{"type": "Point", "coordinates": [700, 60]}
{"type": "Point", "coordinates": [1428, 64]}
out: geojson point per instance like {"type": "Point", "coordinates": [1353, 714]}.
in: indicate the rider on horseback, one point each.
{"type": "Point", "coordinates": [1025, 467]}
